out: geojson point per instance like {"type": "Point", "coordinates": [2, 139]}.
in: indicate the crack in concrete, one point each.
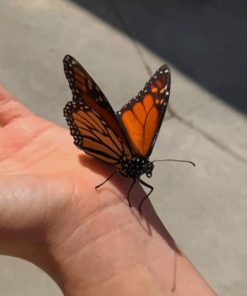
{"type": "Point", "coordinates": [131, 36]}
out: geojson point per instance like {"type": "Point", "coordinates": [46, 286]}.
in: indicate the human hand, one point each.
{"type": "Point", "coordinates": [90, 243]}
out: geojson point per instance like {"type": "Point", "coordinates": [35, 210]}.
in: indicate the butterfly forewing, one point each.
{"type": "Point", "coordinates": [85, 89]}
{"type": "Point", "coordinates": [142, 117]}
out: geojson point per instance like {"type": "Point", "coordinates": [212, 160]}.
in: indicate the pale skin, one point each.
{"type": "Point", "coordinates": [90, 243]}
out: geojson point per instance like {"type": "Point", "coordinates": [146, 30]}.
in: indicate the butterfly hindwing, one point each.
{"type": "Point", "coordinates": [142, 117]}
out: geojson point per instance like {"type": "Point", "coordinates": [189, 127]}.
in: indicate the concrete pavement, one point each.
{"type": "Point", "coordinates": [204, 208]}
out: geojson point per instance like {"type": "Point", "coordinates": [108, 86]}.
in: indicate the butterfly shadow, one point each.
{"type": "Point", "coordinates": [148, 219]}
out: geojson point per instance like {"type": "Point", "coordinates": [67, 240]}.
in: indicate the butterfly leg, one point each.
{"type": "Point", "coordinates": [107, 179]}
{"type": "Point", "coordinates": [151, 190]}
{"type": "Point", "coordinates": [128, 196]}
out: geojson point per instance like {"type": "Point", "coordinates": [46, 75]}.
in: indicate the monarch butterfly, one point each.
{"type": "Point", "coordinates": [125, 139]}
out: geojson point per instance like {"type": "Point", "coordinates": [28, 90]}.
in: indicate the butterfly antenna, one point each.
{"type": "Point", "coordinates": [176, 160]}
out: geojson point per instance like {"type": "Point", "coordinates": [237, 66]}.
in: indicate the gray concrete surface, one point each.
{"type": "Point", "coordinates": [119, 43]}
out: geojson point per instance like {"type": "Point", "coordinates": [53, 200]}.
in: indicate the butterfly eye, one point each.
{"type": "Point", "coordinates": [149, 175]}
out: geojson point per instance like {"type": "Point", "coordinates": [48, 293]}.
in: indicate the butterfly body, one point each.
{"type": "Point", "coordinates": [124, 140]}
{"type": "Point", "coordinates": [136, 167]}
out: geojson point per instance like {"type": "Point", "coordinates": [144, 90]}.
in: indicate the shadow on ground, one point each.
{"type": "Point", "coordinates": [204, 39]}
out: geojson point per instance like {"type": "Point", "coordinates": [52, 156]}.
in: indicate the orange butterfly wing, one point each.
{"type": "Point", "coordinates": [92, 121]}
{"type": "Point", "coordinates": [142, 117]}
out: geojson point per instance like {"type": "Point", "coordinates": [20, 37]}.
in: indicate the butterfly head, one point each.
{"type": "Point", "coordinates": [149, 169]}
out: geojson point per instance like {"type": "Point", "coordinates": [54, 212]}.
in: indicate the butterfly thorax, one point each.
{"type": "Point", "coordinates": [136, 167]}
